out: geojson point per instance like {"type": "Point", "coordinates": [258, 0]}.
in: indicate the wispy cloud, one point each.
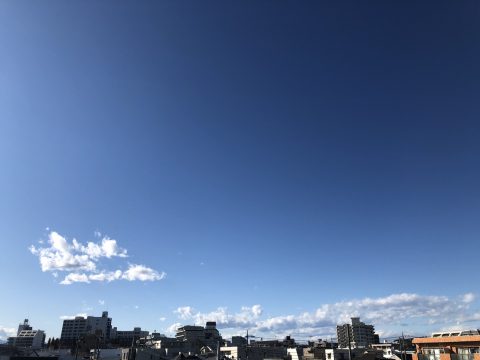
{"type": "Point", "coordinates": [386, 313]}
{"type": "Point", "coordinates": [81, 261]}
{"type": "Point", "coordinates": [133, 273]}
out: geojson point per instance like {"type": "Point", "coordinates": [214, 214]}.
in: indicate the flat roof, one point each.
{"type": "Point", "coordinates": [447, 339]}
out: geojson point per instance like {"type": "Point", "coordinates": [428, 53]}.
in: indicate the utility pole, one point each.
{"type": "Point", "coordinates": [246, 353]}
{"type": "Point", "coordinates": [349, 343]}
{"type": "Point", "coordinates": [76, 348]}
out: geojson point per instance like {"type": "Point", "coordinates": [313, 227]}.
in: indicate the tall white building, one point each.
{"type": "Point", "coordinates": [357, 334]}
{"type": "Point", "coordinates": [73, 329]}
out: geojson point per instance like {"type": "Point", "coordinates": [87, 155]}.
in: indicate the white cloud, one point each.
{"type": "Point", "coordinates": [74, 278]}
{"type": "Point", "coordinates": [106, 276]}
{"type": "Point", "coordinates": [108, 248]}
{"type": "Point", "coordinates": [142, 273]}
{"type": "Point", "coordinates": [81, 261]}
{"type": "Point", "coordinates": [63, 256]}
{"type": "Point", "coordinates": [243, 319]}
{"type": "Point", "coordinates": [468, 298]}
{"type": "Point", "coordinates": [134, 272]}
{"type": "Point", "coordinates": [70, 317]}
{"type": "Point", "coordinates": [101, 302]}
{"type": "Point", "coordinates": [388, 314]}
{"type": "Point", "coordinates": [256, 310]}
{"type": "Point", "coordinates": [59, 257]}
{"type": "Point", "coordinates": [162, 318]}
{"type": "Point", "coordinates": [6, 332]}
{"type": "Point", "coordinates": [184, 312]}
{"type": "Point", "coordinates": [172, 329]}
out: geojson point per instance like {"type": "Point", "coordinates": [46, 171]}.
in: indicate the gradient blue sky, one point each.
{"type": "Point", "coordinates": [294, 156]}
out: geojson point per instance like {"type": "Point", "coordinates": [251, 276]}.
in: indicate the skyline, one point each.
{"type": "Point", "coordinates": [272, 166]}
{"type": "Point", "coordinates": [60, 257]}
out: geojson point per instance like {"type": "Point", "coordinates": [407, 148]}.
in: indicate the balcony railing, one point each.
{"type": "Point", "coordinates": [448, 356]}
{"type": "Point", "coordinates": [431, 357]}
{"type": "Point", "coordinates": [462, 356]}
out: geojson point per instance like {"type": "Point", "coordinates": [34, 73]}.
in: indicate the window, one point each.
{"type": "Point", "coordinates": [469, 350]}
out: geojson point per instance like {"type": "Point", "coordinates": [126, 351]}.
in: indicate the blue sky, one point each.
{"type": "Point", "coordinates": [273, 166]}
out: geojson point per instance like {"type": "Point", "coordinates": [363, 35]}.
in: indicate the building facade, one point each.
{"type": "Point", "coordinates": [73, 329]}
{"type": "Point", "coordinates": [207, 335]}
{"type": "Point", "coordinates": [126, 338]}
{"type": "Point", "coordinates": [459, 345]}
{"type": "Point", "coordinates": [27, 337]}
{"type": "Point", "coordinates": [386, 348]}
{"type": "Point", "coordinates": [356, 335]}
{"type": "Point", "coordinates": [24, 326]}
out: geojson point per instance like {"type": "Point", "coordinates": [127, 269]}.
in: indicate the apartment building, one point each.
{"type": "Point", "coordinates": [356, 334]}
{"type": "Point", "coordinates": [73, 329]}
{"type": "Point", "coordinates": [27, 337]}
{"type": "Point", "coordinates": [455, 345]}
{"type": "Point", "coordinates": [127, 337]}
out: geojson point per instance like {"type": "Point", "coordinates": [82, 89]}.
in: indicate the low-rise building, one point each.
{"type": "Point", "coordinates": [189, 339]}
{"type": "Point", "coordinates": [199, 335]}
{"type": "Point", "coordinates": [252, 352]}
{"type": "Point", "coordinates": [385, 348]}
{"type": "Point", "coordinates": [311, 353]}
{"type": "Point", "coordinates": [455, 345]}
{"type": "Point", "coordinates": [34, 339]}
{"type": "Point", "coordinates": [261, 350]}
{"type": "Point", "coordinates": [27, 337]}
{"type": "Point", "coordinates": [126, 338]}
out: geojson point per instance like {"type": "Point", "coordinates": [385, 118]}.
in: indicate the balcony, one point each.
{"type": "Point", "coordinates": [430, 357]}
{"type": "Point", "coordinates": [463, 356]}
{"type": "Point", "coordinates": [444, 356]}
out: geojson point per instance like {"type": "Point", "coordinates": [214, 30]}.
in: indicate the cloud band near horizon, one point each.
{"type": "Point", "coordinates": [388, 314]}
